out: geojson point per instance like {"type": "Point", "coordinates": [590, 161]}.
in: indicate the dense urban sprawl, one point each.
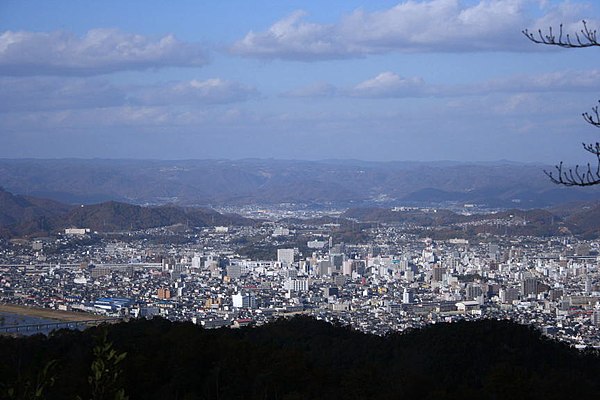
{"type": "Point", "coordinates": [391, 278]}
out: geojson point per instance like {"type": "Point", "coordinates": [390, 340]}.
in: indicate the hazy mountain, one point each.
{"type": "Point", "coordinates": [343, 183]}
{"type": "Point", "coordinates": [16, 209]}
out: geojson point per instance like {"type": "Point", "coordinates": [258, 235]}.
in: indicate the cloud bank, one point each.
{"type": "Point", "coordinates": [410, 26]}
{"type": "Point", "coordinates": [99, 51]}
{"type": "Point", "coordinates": [18, 94]}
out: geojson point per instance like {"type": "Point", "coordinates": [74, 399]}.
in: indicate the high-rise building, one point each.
{"type": "Point", "coordinates": [596, 318]}
{"type": "Point", "coordinates": [244, 300]}
{"type": "Point", "coordinates": [438, 273]}
{"type": "Point", "coordinates": [323, 267]}
{"type": "Point", "coordinates": [493, 251]}
{"type": "Point", "coordinates": [508, 295]}
{"type": "Point", "coordinates": [337, 261]}
{"type": "Point", "coordinates": [347, 267]}
{"type": "Point", "coordinates": [588, 284]}
{"type": "Point", "coordinates": [473, 291]}
{"type": "Point", "coordinates": [529, 286]}
{"type": "Point", "coordinates": [196, 261]}
{"type": "Point", "coordinates": [234, 271]}
{"type": "Point", "coordinates": [297, 284]}
{"type": "Point", "coordinates": [408, 296]}
{"type": "Point", "coordinates": [285, 257]}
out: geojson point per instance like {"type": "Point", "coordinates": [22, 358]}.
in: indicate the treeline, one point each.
{"type": "Point", "coordinates": [299, 358]}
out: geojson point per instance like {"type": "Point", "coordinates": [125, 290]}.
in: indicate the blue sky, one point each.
{"type": "Point", "coordinates": [378, 80]}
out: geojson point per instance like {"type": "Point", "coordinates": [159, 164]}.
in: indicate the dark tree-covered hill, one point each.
{"type": "Point", "coordinates": [303, 358]}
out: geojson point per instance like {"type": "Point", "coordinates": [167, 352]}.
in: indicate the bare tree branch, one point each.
{"type": "Point", "coordinates": [583, 38]}
{"type": "Point", "coordinates": [574, 176]}
{"type": "Point", "coordinates": [577, 176]}
{"type": "Point", "coordinates": [593, 118]}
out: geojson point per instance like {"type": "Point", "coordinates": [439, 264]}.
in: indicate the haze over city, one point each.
{"type": "Point", "coordinates": [380, 80]}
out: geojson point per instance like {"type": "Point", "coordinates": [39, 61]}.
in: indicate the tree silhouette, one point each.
{"type": "Point", "coordinates": [587, 175]}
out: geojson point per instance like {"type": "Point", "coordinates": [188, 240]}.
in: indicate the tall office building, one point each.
{"type": "Point", "coordinates": [596, 318]}
{"type": "Point", "coordinates": [234, 271]}
{"type": "Point", "coordinates": [529, 286]}
{"type": "Point", "coordinates": [438, 273]}
{"type": "Point", "coordinates": [407, 296]}
{"type": "Point", "coordinates": [588, 284]}
{"type": "Point", "coordinates": [473, 291]}
{"type": "Point", "coordinates": [297, 284]}
{"type": "Point", "coordinates": [197, 261]}
{"type": "Point", "coordinates": [493, 251]}
{"type": "Point", "coordinates": [285, 257]}
{"type": "Point", "coordinates": [244, 300]}
{"type": "Point", "coordinates": [337, 261]}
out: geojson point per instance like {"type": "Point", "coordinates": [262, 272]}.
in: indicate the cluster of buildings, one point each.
{"type": "Point", "coordinates": [392, 281]}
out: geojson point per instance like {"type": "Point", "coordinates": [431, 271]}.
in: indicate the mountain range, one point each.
{"type": "Point", "coordinates": [342, 183]}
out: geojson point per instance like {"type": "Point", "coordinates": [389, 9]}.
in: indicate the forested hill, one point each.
{"type": "Point", "coordinates": [582, 220]}
{"type": "Point", "coordinates": [30, 216]}
{"type": "Point", "coordinates": [16, 209]}
{"type": "Point", "coordinates": [303, 358]}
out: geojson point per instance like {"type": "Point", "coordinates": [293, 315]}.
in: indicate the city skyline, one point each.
{"type": "Point", "coordinates": [407, 80]}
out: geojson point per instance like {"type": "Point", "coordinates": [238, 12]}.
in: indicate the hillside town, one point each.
{"type": "Point", "coordinates": [391, 278]}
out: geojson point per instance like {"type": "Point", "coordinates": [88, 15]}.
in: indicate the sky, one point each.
{"type": "Point", "coordinates": [379, 80]}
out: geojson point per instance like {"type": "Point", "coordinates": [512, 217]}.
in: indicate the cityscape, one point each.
{"type": "Point", "coordinates": [290, 200]}
{"type": "Point", "coordinates": [393, 278]}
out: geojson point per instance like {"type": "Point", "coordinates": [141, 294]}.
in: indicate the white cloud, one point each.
{"type": "Point", "coordinates": [99, 51]}
{"type": "Point", "coordinates": [391, 85]}
{"type": "Point", "coordinates": [210, 91]}
{"type": "Point", "coordinates": [292, 38]}
{"type": "Point", "coordinates": [410, 26]}
{"type": "Point", "coordinates": [20, 94]}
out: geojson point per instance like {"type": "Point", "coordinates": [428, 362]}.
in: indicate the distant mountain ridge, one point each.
{"type": "Point", "coordinates": [344, 183]}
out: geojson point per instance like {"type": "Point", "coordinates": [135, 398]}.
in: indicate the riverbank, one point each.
{"type": "Point", "coordinates": [58, 315]}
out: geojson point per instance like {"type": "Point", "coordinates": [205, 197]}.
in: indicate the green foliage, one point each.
{"type": "Point", "coordinates": [106, 371]}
